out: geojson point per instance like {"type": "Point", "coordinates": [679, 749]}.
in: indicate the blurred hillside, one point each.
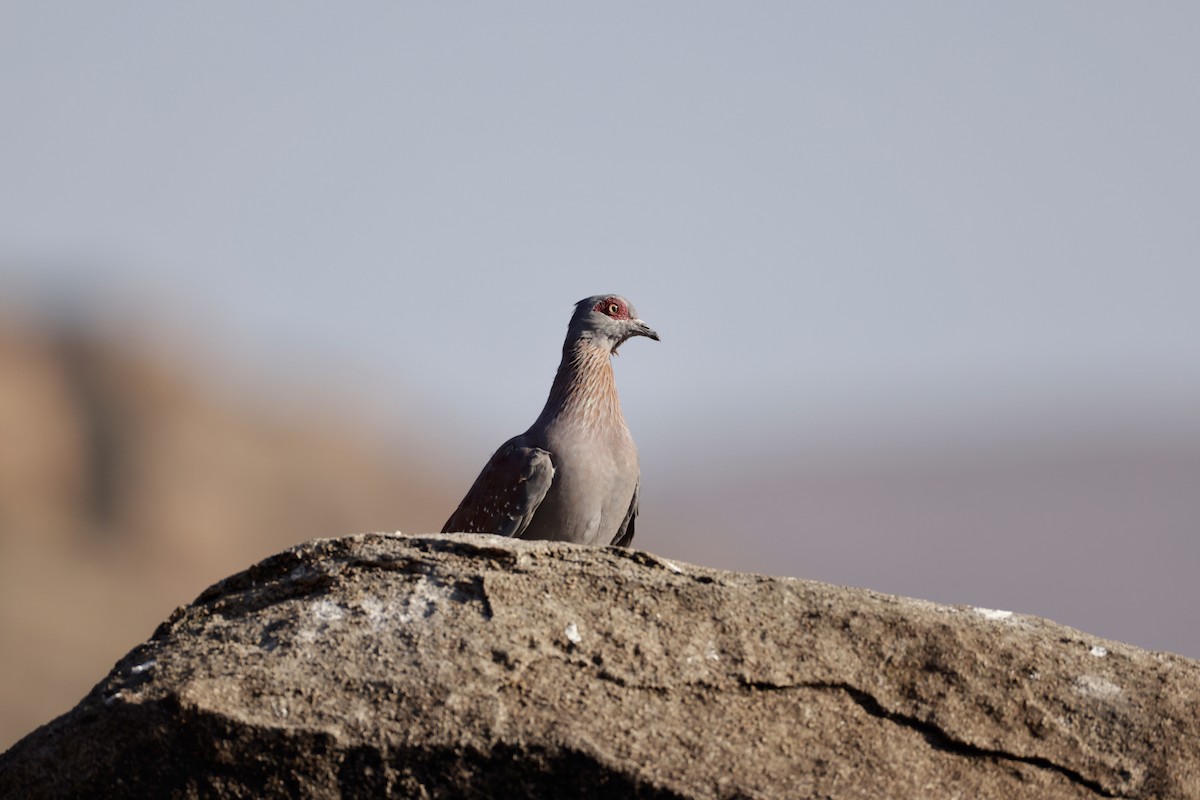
{"type": "Point", "coordinates": [127, 485]}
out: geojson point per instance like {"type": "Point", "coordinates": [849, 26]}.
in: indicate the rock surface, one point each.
{"type": "Point", "coordinates": [455, 666]}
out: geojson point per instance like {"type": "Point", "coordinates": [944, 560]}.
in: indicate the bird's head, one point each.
{"type": "Point", "coordinates": [607, 320]}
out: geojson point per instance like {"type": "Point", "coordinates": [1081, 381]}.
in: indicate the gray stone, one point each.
{"type": "Point", "coordinates": [476, 666]}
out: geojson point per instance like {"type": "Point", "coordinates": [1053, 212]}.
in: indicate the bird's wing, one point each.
{"type": "Point", "coordinates": [506, 493]}
{"type": "Point", "coordinates": [625, 533]}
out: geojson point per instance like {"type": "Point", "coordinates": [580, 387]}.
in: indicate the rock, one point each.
{"type": "Point", "coordinates": [456, 666]}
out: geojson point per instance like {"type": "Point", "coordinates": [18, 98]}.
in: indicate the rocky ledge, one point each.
{"type": "Point", "coordinates": [473, 666]}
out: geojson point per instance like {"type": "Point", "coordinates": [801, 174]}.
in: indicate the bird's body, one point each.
{"type": "Point", "coordinates": [573, 475]}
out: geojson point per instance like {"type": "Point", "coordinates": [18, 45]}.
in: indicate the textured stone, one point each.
{"type": "Point", "coordinates": [475, 666]}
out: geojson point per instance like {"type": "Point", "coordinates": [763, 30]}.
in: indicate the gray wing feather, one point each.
{"type": "Point", "coordinates": [506, 494]}
{"type": "Point", "coordinates": [625, 533]}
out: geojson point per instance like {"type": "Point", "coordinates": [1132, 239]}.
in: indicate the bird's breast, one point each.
{"type": "Point", "coordinates": [594, 481]}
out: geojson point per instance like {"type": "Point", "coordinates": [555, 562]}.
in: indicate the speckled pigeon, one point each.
{"type": "Point", "coordinates": [573, 476]}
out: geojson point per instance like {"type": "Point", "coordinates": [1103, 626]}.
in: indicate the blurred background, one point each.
{"type": "Point", "coordinates": [926, 277]}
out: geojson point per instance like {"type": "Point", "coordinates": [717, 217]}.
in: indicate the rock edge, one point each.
{"type": "Point", "coordinates": [475, 666]}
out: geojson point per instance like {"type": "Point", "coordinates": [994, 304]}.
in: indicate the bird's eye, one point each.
{"type": "Point", "coordinates": [613, 308]}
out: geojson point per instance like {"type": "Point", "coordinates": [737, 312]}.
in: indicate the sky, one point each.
{"type": "Point", "coordinates": [859, 228]}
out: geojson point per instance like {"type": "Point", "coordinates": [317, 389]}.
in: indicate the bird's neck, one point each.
{"type": "Point", "coordinates": [584, 391]}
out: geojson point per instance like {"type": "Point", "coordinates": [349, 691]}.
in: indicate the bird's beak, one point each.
{"type": "Point", "coordinates": [642, 329]}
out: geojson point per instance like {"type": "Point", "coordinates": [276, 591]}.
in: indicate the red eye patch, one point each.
{"type": "Point", "coordinates": [614, 307]}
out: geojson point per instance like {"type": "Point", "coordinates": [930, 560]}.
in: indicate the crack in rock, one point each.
{"type": "Point", "coordinates": [939, 738]}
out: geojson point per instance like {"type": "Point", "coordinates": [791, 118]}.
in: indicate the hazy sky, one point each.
{"type": "Point", "coordinates": [836, 214]}
{"type": "Point", "coordinates": [853, 224]}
